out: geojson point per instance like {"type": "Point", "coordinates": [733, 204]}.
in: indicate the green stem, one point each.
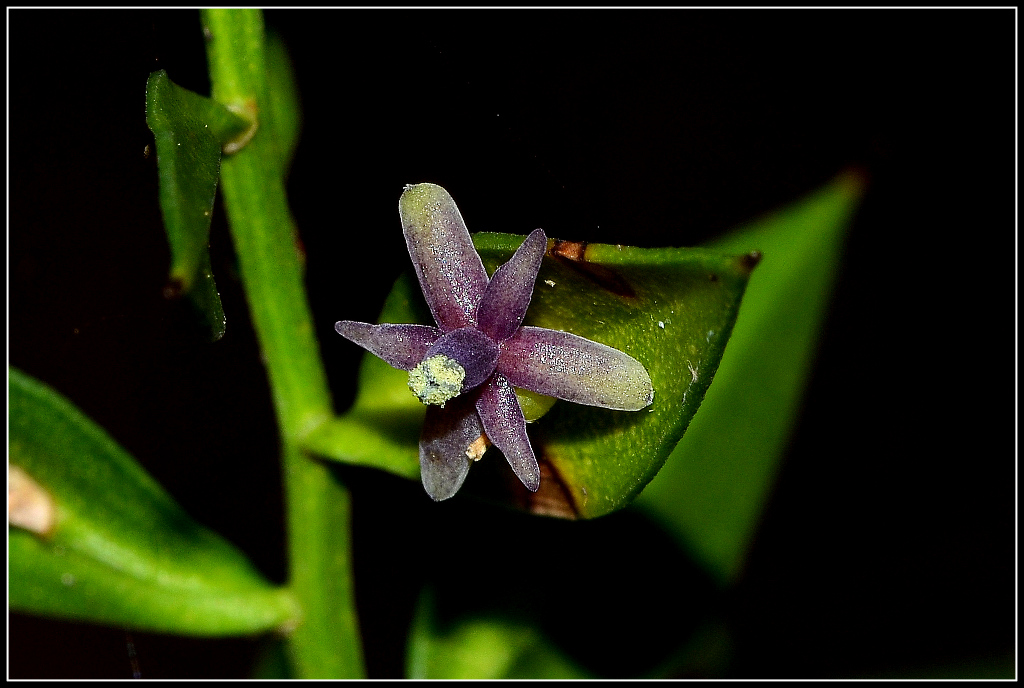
{"type": "Point", "coordinates": [326, 643]}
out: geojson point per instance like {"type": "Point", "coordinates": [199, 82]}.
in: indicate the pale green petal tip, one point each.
{"type": "Point", "coordinates": [437, 379]}
{"type": "Point", "coordinates": [636, 388]}
{"type": "Point", "coordinates": [628, 387]}
{"type": "Point", "coordinates": [418, 200]}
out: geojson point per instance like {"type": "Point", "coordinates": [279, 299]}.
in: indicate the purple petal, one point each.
{"type": "Point", "coordinates": [505, 426]}
{"type": "Point", "coordinates": [447, 434]}
{"type": "Point", "coordinates": [447, 265]}
{"type": "Point", "coordinates": [508, 295]}
{"type": "Point", "coordinates": [401, 346]}
{"type": "Point", "coordinates": [566, 366]}
{"type": "Point", "coordinates": [472, 349]}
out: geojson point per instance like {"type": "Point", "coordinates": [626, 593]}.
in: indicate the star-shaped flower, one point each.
{"type": "Point", "coordinates": [465, 369]}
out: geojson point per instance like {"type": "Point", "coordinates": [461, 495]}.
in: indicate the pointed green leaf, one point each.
{"type": "Point", "coordinates": [95, 538]}
{"type": "Point", "coordinates": [671, 309]}
{"type": "Point", "coordinates": [713, 488]}
{"type": "Point", "coordinates": [190, 131]}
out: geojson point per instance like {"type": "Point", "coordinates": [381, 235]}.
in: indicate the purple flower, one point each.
{"type": "Point", "coordinates": [465, 369]}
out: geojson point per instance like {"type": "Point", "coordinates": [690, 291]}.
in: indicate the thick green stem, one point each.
{"type": "Point", "coordinates": [326, 644]}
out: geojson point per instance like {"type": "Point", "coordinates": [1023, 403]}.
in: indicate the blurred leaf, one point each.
{"type": "Point", "coordinates": [672, 309]}
{"type": "Point", "coordinates": [712, 491]}
{"type": "Point", "coordinates": [285, 110]}
{"type": "Point", "coordinates": [189, 131]}
{"type": "Point", "coordinates": [616, 596]}
{"type": "Point", "coordinates": [486, 647]}
{"type": "Point", "coordinates": [708, 653]}
{"type": "Point", "coordinates": [119, 551]}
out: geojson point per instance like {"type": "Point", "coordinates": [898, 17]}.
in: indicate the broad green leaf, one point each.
{"type": "Point", "coordinates": [481, 647]}
{"type": "Point", "coordinates": [712, 491]}
{"type": "Point", "coordinates": [190, 131]}
{"type": "Point", "coordinates": [671, 309]}
{"type": "Point", "coordinates": [103, 542]}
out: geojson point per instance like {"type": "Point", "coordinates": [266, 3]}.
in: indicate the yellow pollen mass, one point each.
{"type": "Point", "coordinates": [437, 379]}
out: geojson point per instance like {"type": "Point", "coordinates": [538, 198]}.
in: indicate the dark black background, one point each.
{"type": "Point", "coordinates": [888, 545]}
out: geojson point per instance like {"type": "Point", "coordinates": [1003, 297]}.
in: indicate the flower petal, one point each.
{"type": "Point", "coordinates": [401, 346]}
{"type": "Point", "coordinates": [505, 426]}
{"type": "Point", "coordinates": [567, 366]}
{"type": "Point", "coordinates": [448, 431]}
{"type": "Point", "coordinates": [447, 265]}
{"type": "Point", "coordinates": [509, 292]}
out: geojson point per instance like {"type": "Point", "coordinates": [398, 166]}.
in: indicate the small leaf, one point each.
{"type": "Point", "coordinates": [671, 309]}
{"type": "Point", "coordinates": [726, 463]}
{"type": "Point", "coordinates": [481, 647]}
{"type": "Point", "coordinates": [189, 131]}
{"type": "Point", "coordinates": [118, 550]}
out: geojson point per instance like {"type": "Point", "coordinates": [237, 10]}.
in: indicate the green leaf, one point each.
{"type": "Point", "coordinates": [190, 132]}
{"type": "Point", "coordinates": [95, 538]}
{"type": "Point", "coordinates": [481, 647]}
{"type": "Point", "coordinates": [671, 309]}
{"type": "Point", "coordinates": [712, 491]}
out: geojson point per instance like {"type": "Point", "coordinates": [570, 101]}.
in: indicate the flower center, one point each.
{"type": "Point", "coordinates": [437, 379]}
{"type": "Point", "coordinates": [457, 362]}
